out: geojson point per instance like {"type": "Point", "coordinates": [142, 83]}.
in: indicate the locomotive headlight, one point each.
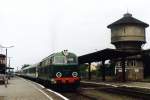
{"type": "Point", "coordinates": [58, 74]}
{"type": "Point", "coordinates": [74, 74]}
{"type": "Point", "coordinates": [53, 81]}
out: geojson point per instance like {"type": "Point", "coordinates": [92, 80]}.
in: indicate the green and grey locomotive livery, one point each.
{"type": "Point", "coordinates": [59, 68]}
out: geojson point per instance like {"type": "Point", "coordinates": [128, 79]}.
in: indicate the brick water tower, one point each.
{"type": "Point", "coordinates": [128, 34]}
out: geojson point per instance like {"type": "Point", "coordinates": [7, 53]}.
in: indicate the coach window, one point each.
{"type": "Point", "coordinates": [33, 70]}
{"type": "Point", "coordinates": [39, 70]}
{"type": "Point", "coordinates": [30, 70]}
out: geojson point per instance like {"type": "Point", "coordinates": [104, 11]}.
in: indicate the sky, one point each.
{"type": "Point", "coordinates": [38, 28]}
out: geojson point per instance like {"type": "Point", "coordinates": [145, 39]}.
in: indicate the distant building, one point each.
{"type": "Point", "coordinates": [128, 34]}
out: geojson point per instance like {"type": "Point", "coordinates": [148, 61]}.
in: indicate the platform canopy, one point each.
{"type": "Point", "coordinates": [108, 54]}
{"type": "Point", "coordinates": [9, 68]}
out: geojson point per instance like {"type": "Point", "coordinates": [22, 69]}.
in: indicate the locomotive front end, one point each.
{"type": "Point", "coordinates": [66, 75]}
{"type": "Point", "coordinates": [59, 70]}
{"type": "Point", "coordinates": [66, 70]}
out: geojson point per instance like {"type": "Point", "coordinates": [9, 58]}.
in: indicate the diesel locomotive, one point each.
{"type": "Point", "coordinates": [57, 70]}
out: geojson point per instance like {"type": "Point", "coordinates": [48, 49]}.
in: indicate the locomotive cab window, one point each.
{"type": "Point", "coordinates": [72, 60]}
{"type": "Point", "coordinates": [65, 60]}
{"type": "Point", "coordinates": [59, 60]}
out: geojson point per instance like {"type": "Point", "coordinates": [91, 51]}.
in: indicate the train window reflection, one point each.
{"type": "Point", "coordinates": [59, 60]}
{"type": "Point", "coordinates": [72, 60]}
{"type": "Point", "coordinates": [65, 60]}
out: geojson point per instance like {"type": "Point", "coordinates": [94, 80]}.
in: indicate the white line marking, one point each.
{"type": "Point", "coordinates": [44, 93]}
{"type": "Point", "coordinates": [116, 85]}
{"type": "Point", "coordinates": [91, 82]}
{"type": "Point", "coordinates": [58, 94]}
{"type": "Point", "coordinates": [136, 86]}
{"type": "Point", "coordinates": [39, 85]}
{"type": "Point", "coordinates": [88, 88]}
{"type": "Point", "coordinates": [100, 83]}
{"type": "Point", "coordinates": [50, 98]}
{"type": "Point", "coordinates": [63, 97]}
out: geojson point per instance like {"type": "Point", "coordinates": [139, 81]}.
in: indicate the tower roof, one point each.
{"type": "Point", "coordinates": [127, 19]}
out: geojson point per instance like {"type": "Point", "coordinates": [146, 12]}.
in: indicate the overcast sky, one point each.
{"type": "Point", "coordinates": [38, 28]}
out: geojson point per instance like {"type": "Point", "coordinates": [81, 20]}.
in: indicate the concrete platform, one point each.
{"type": "Point", "coordinates": [21, 89]}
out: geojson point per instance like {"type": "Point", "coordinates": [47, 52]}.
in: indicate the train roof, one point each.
{"type": "Point", "coordinates": [62, 54]}
{"type": "Point", "coordinates": [59, 54]}
{"type": "Point", "coordinates": [31, 66]}
{"type": "Point", "coordinates": [52, 55]}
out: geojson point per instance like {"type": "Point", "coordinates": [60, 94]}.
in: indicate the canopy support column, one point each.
{"type": "Point", "coordinates": [89, 71]}
{"type": "Point", "coordinates": [103, 70]}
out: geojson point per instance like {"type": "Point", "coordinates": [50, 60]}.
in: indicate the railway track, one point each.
{"type": "Point", "coordinates": [103, 92]}
{"type": "Point", "coordinates": [135, 93]}
{"type": "Point", "coordinates": [95, 92]}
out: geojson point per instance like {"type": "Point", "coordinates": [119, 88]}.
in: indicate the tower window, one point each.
{"type": "Point", "coordinates": [126, 63]}
{"type": "Point", "coordinates": [133, 63]}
